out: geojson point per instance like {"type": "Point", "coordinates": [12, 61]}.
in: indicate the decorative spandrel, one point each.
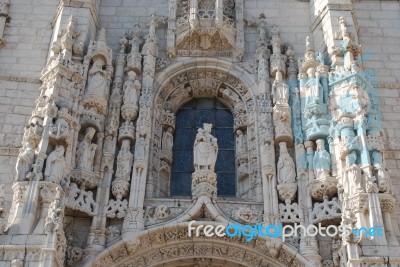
{"type": "Point", "coordinates": [189, 118]}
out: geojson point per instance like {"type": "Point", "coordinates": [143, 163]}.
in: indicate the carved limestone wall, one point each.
{"type": "Point", "coordinates": [92, 179]}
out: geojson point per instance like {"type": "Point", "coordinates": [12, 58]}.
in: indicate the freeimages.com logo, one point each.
{"type": "Point", "coordinates": [279, 230]}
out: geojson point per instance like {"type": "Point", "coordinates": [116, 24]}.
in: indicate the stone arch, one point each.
{"type": "Point", "coordinates": [164, 245]}
{"type": "Point", "coordinates": [206, 77]}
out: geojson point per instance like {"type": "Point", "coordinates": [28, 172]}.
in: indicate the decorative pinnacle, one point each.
{"type": "Point", "coordinates": [70, 26]}
{"type": "Point", "coordinates": [101, 37]}
{"type": "Point", "coordinates": [309, 44]}
{"type": "Point", "coordinates": [262, 27]}
{"type": "Point", "coordinates": [343, 28]}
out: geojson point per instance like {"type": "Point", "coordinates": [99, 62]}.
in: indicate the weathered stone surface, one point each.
{"type": "Point", "coordinates": [89, 93]}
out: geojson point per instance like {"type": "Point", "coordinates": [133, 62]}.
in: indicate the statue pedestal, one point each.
{"type": "Point", "coordinates": [326, 186]}
{"type": "Point", "coordinates": [204, 183]}
{"type": "Point", "coordinates": [282, 123]}
{"type": "Point", "coordinates": [287, 191]}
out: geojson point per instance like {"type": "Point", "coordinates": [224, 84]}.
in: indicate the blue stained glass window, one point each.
{"type": "Point", "coordinates": [189, 118]}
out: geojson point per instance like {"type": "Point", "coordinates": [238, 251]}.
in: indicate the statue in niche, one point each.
{"type": "Point", "coordinates": [86, 150]}
{"type": "Point", "coordinates": [167, 140]}
{"type": "Point", "coordinates": [55, 165]}
{"type": "Point", "coordinates": [240, 141]}
{"type": "Point", "coordinates": [352, 180]}
{"type": "Point", "coordinates": [280, 90]}
{"type": "Point", "coordinates": [321, 160]}
{"type": "Point", "coordinates": [124, 161]}
{"type": "Point", "coordinates": [382, 174]}
{"type": "Point", "coordinates": [109, 144]}
{"type": "Point", "coordinates": [268, 159]}
{"type": "Point", "coordinates": [385, 183]}
{"type": "Point", "coordinates": [286, 167]}
{"type": "Point", "coordinates": [131, 89]}
{"type": "Point", "coordinates": [25, 161]}
{"type": "Point", "coordinates": [316, 91]}
{"type": "Point", "coordinates": [205, 149]}
{"type": "Point", "coordinates": [140, 148]}
{"type": "Point", "coordinates": [97, 82]}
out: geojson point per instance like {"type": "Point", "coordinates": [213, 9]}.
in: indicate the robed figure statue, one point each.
{"type": "Point", "coordinates": [205, 149]}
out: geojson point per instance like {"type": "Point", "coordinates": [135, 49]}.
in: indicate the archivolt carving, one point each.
{"type": "Point", "coordinates": [203, 78]}
{"type": "Point", "coordinates": [202, 83]}
{"type": "Point", "coordinates": [168, 244]}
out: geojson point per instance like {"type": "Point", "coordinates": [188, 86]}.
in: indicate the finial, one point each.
{"type": "Point", "coordinates": [290, 52]}
{"type": "Point", "coordinates": [309, 44]}
{"type": "Point", "coordinates": [102, 35]}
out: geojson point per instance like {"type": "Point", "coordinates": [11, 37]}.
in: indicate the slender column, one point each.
{"type": "Point", "coordinates": [219, 10]}
{"type": "Point", "coordinates": [171, 51]}
{"type": "Point", "coordinates": [193, 13]}
{"type": "Point", "coordinates": [134, 219]}
{"type": "Point", "coordinates": [98, 156]}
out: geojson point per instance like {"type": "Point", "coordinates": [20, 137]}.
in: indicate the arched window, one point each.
{"type": "Point", "coordinates": [189, 118]}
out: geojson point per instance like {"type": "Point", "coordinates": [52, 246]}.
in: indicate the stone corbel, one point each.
{"type": "Point", "coordinates": [4, 5]}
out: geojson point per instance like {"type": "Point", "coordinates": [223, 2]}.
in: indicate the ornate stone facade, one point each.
{"type": "Point", "coordinates": [91, 181]}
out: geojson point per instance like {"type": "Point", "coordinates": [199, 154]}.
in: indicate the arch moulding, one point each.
{"type": "Point", "coordinates": [206, 77]}
{"type": "Point", "coordinates": [170, 246]}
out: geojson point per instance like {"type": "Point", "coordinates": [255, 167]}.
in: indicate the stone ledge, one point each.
{"type": "Point", "coordinates": [389, 85]}
{"type": "Point", "coordinates": [20, 79]}
{"type": "Point", "coordinates": [9, 151]}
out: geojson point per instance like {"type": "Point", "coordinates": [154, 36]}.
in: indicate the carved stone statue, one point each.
{"type": "Point", "coordinates": [205, 149]}
{"type": "Point", "coordinates": [53, 220]}
{"type": "Point", "coordinates": [55, 165]}
{"type": "Point", "coordinates": [25, 161]}
{"type": "Point", "coordinates": [97, 81]}
{"type": "Point", "coordinates": [109, 144]}
{"type": "Point", "coordinates": [381, 173]}
{"type": "Point", "coordinates": [131, 89]}
{"type": "Point", "coordinates": [124, 161]}
{"type": "Point", "coordinates": [315, 92]}
{"type": "Point", "coordinates": [385, 183]}
{"type": "Point", "coordinates": [268, 159]}
{"type": "Point", "coordinates": [240, 141]}
{"type": "Point", "coordinates": [321, 160]}
{"type": "Point", "coordinates": [286, 167]}
{"type": "Point", "coordinates": [167, 140]}
{"type": "Point", "coordinates": [352, 180]}
{"type": "Point", "coordinates": [280, 90]}
{"type": "Point", "coordinates": [140, 148]}
{"type": "Point", "coordinates": [86, 151]}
